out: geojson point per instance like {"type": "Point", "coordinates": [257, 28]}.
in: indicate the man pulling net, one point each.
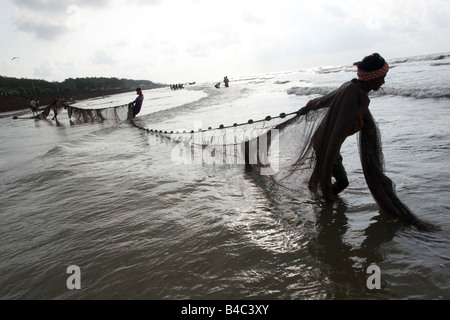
{"type": "Point", "coordinates": [324, 125]}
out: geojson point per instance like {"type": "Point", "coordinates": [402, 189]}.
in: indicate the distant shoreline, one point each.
{"type": "Point", "coordinates": [19, 103]}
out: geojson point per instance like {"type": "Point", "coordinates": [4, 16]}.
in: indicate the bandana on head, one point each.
{"type": "Point", "coordinates": [370, 75]}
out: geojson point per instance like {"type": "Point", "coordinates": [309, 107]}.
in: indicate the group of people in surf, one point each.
{"type": "Point", "coordinates": [34, 106]}
{"type": "Point", "coordinates": [225, 81]}
{"type": "Point", "coordinates": [176, 86]}
{"type": "Point", "coordinates": [55, 105]}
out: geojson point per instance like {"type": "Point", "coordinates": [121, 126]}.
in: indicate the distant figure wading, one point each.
{"type": "Point", "coordinates": [33, 106]}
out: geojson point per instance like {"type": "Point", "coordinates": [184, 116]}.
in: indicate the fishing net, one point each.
{"type": "Point", "coordinates": [245, 143]}
{"type": "Point", "coordinates": [381, 187]}
{"type": "Point", "coordinates": [55, 106]}
{"type": "Point", "coordinates": [80, 115]}
{"type": "Point", "coordinates": [319, 129]}
{"type": "Point", "coordinates": [296, 150]}
{"type": "Point", "coordinates": [83, 115]}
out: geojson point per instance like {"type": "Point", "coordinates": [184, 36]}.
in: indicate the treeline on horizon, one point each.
{"type": "Point", "coordinates": [27, 87]}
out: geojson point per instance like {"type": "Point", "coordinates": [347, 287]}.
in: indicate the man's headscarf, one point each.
{"type": "Point", "coordinates": [372, 67]}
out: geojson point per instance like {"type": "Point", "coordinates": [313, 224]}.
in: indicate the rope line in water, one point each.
{"type": "Point", "coordinates": [250, 121]}
{"type": "Point", "coordinates": [113, 107]}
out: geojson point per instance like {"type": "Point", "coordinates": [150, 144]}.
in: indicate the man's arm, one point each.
{"type": "Point", "coordinates": [318, 103]}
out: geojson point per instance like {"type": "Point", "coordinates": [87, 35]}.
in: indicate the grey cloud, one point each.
{"type": "Point", "coordinates": [39, 5]}
{"type": "Point", "coordinates": [42, 30]}
{"type": "Point", "coordinates": [143, 2]}
{"type": "Point", "coordinates": [58, 6]}
{"type": "Point", "coordinates": [47, 19]}
{"type": "Point", "coordinates": [44, 19]}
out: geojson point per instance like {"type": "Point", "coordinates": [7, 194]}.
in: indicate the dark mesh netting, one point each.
{"type": "Point", "coordinates": [310, 144]}
{"type": "Point", "coordinates": [82, 115]}
{"type": "Point", "coordinates": [381, 187]}
{"type": "Point", "coordinates": [56, 107]}
{"type": "Point", "coordinates": [245, 143]}
{"type": "Point", "coordinates": [297, 150]}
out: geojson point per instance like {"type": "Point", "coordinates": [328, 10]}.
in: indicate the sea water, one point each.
{"type": "Point", "coordinates": [109, 199]}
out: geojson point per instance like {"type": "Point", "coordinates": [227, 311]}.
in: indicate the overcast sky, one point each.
{"type": "Point", "coordinates": [173, 41]}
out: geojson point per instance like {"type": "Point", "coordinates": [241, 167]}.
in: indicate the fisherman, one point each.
{"type": "Point", "coordinates": [55, 106]}
{"type": "Point", "coordinates": [345, 116]}
{"type": "Point", "coordinates": [33, 106]}
{"type": "Point", "coordinates": [137, 103]}
{"type": "Point", "coordinates": [225, 80]}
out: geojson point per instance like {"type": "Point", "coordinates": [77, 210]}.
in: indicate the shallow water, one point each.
{"type": "Point", "coordinates": [108, 198]}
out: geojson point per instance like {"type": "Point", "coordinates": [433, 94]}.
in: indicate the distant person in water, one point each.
{"type": "Point", "coordinates": [33, 106]}
{"type": "Point", "coordinates": [225, 80]}
{"type": "Point", "coordinates": [137, 103]}
{"type": "Point", "coordinates": [55, 105]}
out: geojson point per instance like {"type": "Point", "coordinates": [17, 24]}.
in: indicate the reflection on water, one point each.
{"type": "Point", "coordinates": [346, 264]}
{"type": "Point", "coordinates": [108, 198]}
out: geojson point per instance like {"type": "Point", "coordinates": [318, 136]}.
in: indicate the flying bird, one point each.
{"type": "Point", "coordinates": [14, 58]}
